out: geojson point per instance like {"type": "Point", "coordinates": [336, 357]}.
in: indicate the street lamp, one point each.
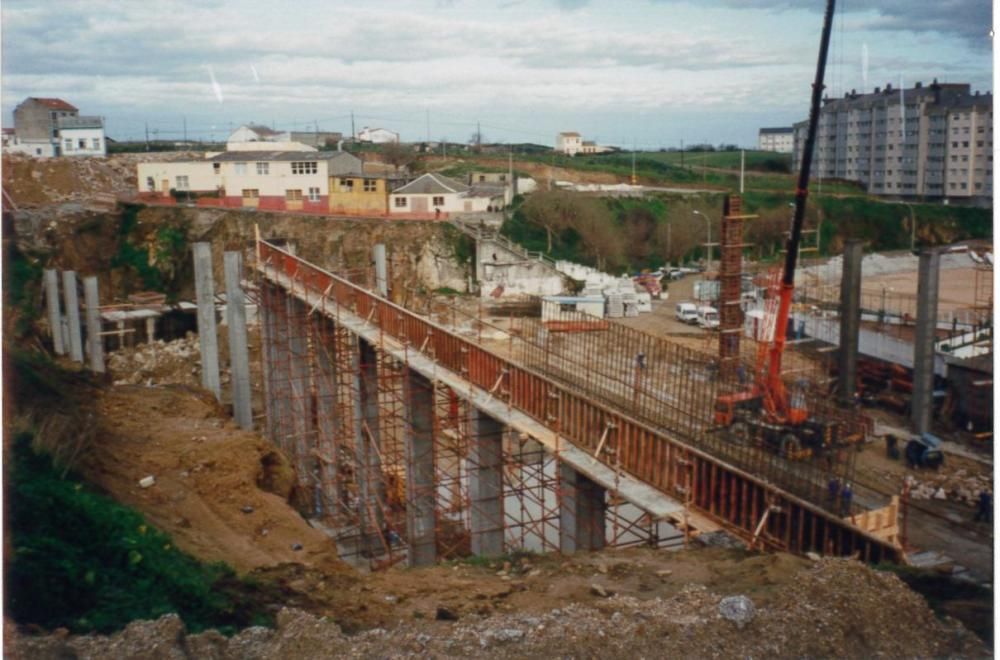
{"type": "Point", "coordinates": [708, 245]}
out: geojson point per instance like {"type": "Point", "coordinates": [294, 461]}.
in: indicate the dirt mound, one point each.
{"type": "Point", "coordinates": [33, 182]}
{"type": "Point", "coordinates": [206, 472]}
{"type": "Point", "coordinates": [837, 608]}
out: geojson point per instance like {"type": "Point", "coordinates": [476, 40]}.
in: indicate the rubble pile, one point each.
{"type": "Point", "coordinates": [87, 182]}
{"type": "Point", "coordinates": [836, 608]}
{"type": "Point", "coordinates": [958, 486]}
{"type": "Point", "coordinates": [159, 363]}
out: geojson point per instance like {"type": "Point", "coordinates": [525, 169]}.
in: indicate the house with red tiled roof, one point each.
{"type": "Point", "coordinates": [50, 127]}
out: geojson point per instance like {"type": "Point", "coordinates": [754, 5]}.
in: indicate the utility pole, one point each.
{"type": "Point", "coordinates": [633, 161]}
{"type": "Point", "coordinates": [185, 120]}
{"type": "Point", "coordinates": [353, 133]}
{"type": "Point", "coordinates": [147, 136]}
{"type": "Point", "coordinates": [742, 168]}
{"type": "Point", "coordinates": [428, 111]}
{"type": "Point", "coordinates": [479, 137]}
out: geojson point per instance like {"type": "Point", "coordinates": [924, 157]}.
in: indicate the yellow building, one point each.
{"type": "Point", "coordinates": [359, 195]}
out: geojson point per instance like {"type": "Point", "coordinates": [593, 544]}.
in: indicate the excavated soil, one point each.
{"type": "Point", "coordinates": [222, 493]}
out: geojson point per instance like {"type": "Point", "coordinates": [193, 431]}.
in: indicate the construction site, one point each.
{"type": "Point", "coordinates": [420, 438]}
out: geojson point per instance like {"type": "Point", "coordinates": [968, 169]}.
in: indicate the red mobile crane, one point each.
{"type": "Point", "coordinates": [767, 411]}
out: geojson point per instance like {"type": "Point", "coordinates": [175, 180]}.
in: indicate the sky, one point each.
{"type": "Point", "coordinates": [644, 73]}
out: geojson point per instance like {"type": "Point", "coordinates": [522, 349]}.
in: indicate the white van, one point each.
{"type": "Point", "coordinates": [708, 318]}
{"type": "Point", "coordinates": [686, 313]}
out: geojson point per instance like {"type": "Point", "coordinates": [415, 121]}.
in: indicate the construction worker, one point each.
{"type": "Point", "coordinates": [833, 489]}
{"type": "Point", "coordinates": [985, 510]}
{"type": "Point", "coordinates": [845, 500]}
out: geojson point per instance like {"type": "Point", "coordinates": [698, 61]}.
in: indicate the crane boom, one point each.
{"type": "Point", "coordinates": [775, 383]}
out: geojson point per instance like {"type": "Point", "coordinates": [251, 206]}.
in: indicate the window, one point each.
{"type": "Point", "coordinates": [216, 168]}
{"type": "Point", "coordinates": [370, 185]}
{"type": "Point", "coordinates": [82, 143]}
{"type": "Point", "coordinates": [262, 168]}
{"type": "Point", "coordinates": [347, 185]}
{"type": "Point", "coordinates": [182, 182]}
{"type": "Point", "coordinates": [400, 202]}
{"type": "Point", "coordinates": [438, 201]}
{"type": "Point", "coordinates": [314, 194]}
{"type": "Point", "coordinates": [68, 144]}
{"type": "Point", "coordinates": [308, 167]}
{"type": "Point", "coordinates": [150, 184]}
{"type": "Point", "coordinates": [251, 193]}
{"type": "Point", "coordinates": [97, 144]}
{"type": "Point", "coordinates": [240, 168]}
{"type": "Point", "coordinates": [293, 195]}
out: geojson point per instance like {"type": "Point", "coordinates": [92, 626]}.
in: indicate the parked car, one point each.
{"type": "Point", "coordinates": [708, 317]}
{"type": "Point", "coordinates": [686, 313]}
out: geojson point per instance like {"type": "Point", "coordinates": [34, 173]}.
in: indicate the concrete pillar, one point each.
{"type": "Point", "coordinates": [239, 356]}
{"type": "Point", "coordinates": [325, 384]}
{"type": "Point", "coordinates": [923, 345]}
{"type": "Point", "coordinates": [151, 329]}
{"type": "Point", "coordinates": [418, 397]}
{"type": "Point", "coordinates": [275, 351]}
{"type": "Point", "coordinates": [298, 391]}
{"type": "Point", "coordinates": [850, 321]}
{"type": "Point", "coordinates": [581, 512]}
{"type": "Point", "coordinates": [95, 342]}
{"type": "Point", "coordinates": [55, 317]}
{"type": "Point", "coordinates": [371, 485]}
{"type": "Point", "coordinates": [204, 287]}
{"type": "Point", "coordinates": [486, 485]}
{"type": "Point", "coordinates": [381, 270]}
{"type": "Point", "coordinates": [72, 305]}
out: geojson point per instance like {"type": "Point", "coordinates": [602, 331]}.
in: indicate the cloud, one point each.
{"type": "Point", "coordinates": [967, 19]}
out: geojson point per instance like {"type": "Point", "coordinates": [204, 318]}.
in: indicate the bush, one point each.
{"type": "Point", "coordinates": [79, 560]}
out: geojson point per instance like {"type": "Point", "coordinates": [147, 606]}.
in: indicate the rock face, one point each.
{"type": "Point", "coordinates": [836, 608]}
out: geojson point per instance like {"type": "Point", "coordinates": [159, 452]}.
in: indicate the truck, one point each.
{"type": "Point", "coordinates": [686, 313]}
{"type": "Point", "coordinates": [708, 317]}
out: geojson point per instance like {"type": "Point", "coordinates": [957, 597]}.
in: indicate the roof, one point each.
{"type": "Point", "coordinates": [431, 184]}
{"type": "Point", "coordinates": [779, 130]}
{"type": "Point", "coordinates": [981, 363]}
{"type": "Point", "coordinates": [570, 134]}
{"type": "Point", "coordinates": [260, 129]}
{"type": "Point", "coordinates": [244, 156]}
{"type": "Point", "coordinates": [53, 104]}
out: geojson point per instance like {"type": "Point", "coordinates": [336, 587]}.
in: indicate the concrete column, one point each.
{"type": "Point", "coordinates": [381, 270]}
{"type": "Point", "coordinates": [923, 346]}
{"type": "Point", "coordinates": [850, 321]}
{"type": "Point", "coordinates": [95, 342]}
{"type": "Point", "coordinates": [371, 485]}
{"type": "Point", "coordinates": [486, 484]}
{"type": "Point", "coordinates": [581, 512]}
{"type": "Point", "coordinates": [298, 391]}
{"type": "Point", "coordinates": [418, 397]}
{"type": "Point", "coordinates": [276, 354]}
{"type": "Point", "coordinates": [72, 305]}
{"type": "Point", "coordinates": [239, 355]}
{"type": "Point", "coordinates": [204, 287]}
{"type": "Point", "coordinates": [151, 329]}
{"type": "Point", "coordinates": [55, 317]}
{"type": "Point", "coordinates": [325, 382]}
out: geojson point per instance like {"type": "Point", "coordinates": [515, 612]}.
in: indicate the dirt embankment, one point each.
{"type": "Point", "coordinates": [835, 608]}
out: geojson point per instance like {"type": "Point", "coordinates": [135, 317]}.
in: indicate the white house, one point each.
{"type": "Point", "coordinates": [781, 139]}
{"type": "Point", "coordinates": [431, 192]}
{"type": "Point", "coordinates": [569, 143]}
{"type": "Point", "coordinates": [273, 180]}
{"type": "Point", "coordinates": [50, 127]}
{"type": "Point", "coordinates": [82, 136]}
{"type": "Point", "coordinates": [377, 135]}
{"type": "Point", "coordinates": [252, 133]}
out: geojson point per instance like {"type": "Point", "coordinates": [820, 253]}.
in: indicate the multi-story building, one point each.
{"type": "Point", "coordinates": [933, 142]}
{"type": "Point", "coordinates": [52, 127]}
{"type": "Point", "coordinates": [780, 139]}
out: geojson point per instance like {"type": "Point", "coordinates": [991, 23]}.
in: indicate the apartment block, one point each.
{"type": "Point", "coordinates": [930, 142]}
